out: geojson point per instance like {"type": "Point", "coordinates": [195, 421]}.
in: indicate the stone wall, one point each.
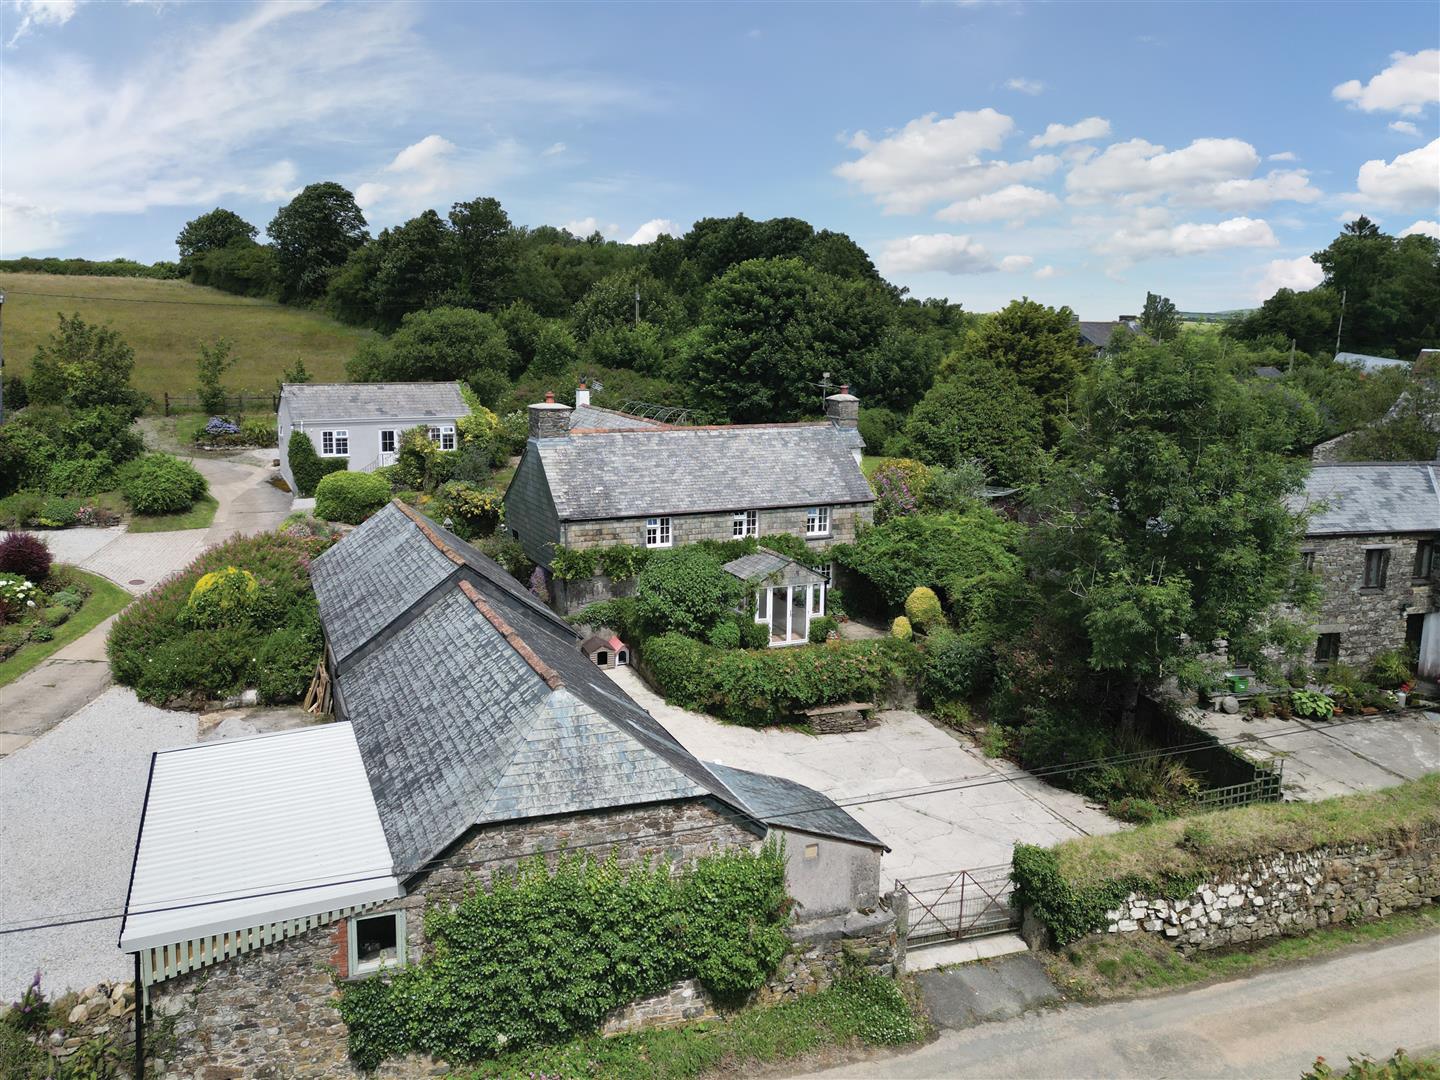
{"type": "Point", "coordinates": [840, 719]}
{"type": "Point", "coordinates": [1290, 893]}
{"type": "Point", "coordinates": [1369, 621]}
{"type": "Point", "coordinates": [104, 1011]}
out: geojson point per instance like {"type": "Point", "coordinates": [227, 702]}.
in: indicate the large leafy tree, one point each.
{"type": "Point", "coordinates": [612, 301]}
{"type": "Point", "coordinates": [1170, 530]}
{"type": "Point", "coordinates": [1159, 318]}
{"type": "Point", "coordinates": [83, 366]}
{"type": "Point", "coordinates": [218, 229]}
{"type": "Point", "coordinates": [313, 234]}
{"type": "Point", "coordinates": [416, 267]}
{"type": "Point", "coordinates": [980, 412]}
{"type": "Point", "coordinates": [434, 346]}
{"type": "Point", "coordinates": [487, 251]}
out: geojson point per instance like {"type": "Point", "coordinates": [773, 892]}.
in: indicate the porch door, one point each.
{"type": "Point", "coordinates": [1429, 666]}
{"type": "Point", "coordinates": [387, 447]}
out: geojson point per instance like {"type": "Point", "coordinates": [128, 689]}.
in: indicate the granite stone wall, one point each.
{"type": "Point", "coordinates": [1290, 893]}
{"type": "Point", "coordinates": [1369, 621]}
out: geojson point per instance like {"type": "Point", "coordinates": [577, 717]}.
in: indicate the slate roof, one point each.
{"type": "Point", "coordinates": [1269, 371]}
{"type": "Point", "coordinates": [374, 401]}
{"type": "Point", "coordinates": [1365, 499]}
{"type": "Point", "coordinates": [592, 416]}
{"type": "Point", "coordinates": [1369, 363]}
{"type": "Point", "coordinates": [788, 805]}
{"type": "Point", "coordinates": [689, 470]}
{"type": "Point", "coordinates": [1099, 334]}
{"type": "Point", "coordinates": [761, 564]}
{"type": "Point", "coordinates": [472, 702]}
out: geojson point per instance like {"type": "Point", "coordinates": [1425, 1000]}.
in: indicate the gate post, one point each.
{"type": "Point", "coordinates": [900, 904]}
{"type": "Point", "coordinates": [960, 919]}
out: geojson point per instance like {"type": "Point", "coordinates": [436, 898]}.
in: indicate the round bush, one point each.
{"type": "Point", "coordinates": [725, 635]}
{"type": "Point", "coordinates": [72, 600]}
{"type": "Point", "coordinates": [922, 607]}
{"type": "Point", "coordinates": [955, 667]}
{"type": "Point", "coordinates": [25, 554]}
{"type": "Point", "coordinates": [901, 628]}
{"type": "Point", "coordinates": [222, 598]}
{"type": "Point", "coordinates": [821, 628]}
{"type": "Point", "coordinates": [350, 497]}
{"type": "Point", "coordinates": [161, 484]}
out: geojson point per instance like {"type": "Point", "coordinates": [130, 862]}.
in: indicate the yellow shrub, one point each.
{"type": "Point", "coordinates": [221, 596]}
{"type": "Point", "coordinates": [900, 628]}
{"type": "Point", "coordinates": [923, 608]}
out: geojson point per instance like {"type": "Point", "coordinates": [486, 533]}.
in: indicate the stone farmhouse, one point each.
{"type": "Point", "coordinates": [593, 477]}
{"type": "Point", "coordinates": [470, 730]}
{"type": "Point", "coordinates": [363, 422]}
{"type": "Point", "coordinates": [1371, 540]}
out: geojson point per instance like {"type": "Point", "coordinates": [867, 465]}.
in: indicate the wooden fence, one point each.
{"type": "Point", "coordinates": [238, 403]}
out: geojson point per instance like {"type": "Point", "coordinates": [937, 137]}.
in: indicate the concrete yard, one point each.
{"type": "Point", "coordinates": [975, 825]}
{"type": "Point", "coordinates": [1336, 757]}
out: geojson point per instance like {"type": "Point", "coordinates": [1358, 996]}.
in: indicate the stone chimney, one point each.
{"type": "Point", "coordinates": [843, 409]}
{"type": "Point", "coordinates": [582, 396]}
{"type": "Point", "coordinates": [549, 420]}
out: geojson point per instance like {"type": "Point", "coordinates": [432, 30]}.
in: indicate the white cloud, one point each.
{"type": "Point", "coordinates": [1424, 228]}
{"type": "Point", "coordinates": [1411, 82]}
{"type": "Point", "coordinates": [1025, 86]}
{"type": "Point", "coordinates": [583, 227]}
{"type": "Point", "coordinates": [655, 227]}
{"type": "Point", "coordinates": [1092, 127]}
{"type": "Point", "coordinates": [38, 13]}
{"type": "Point", "coordinates": [1149, 236]}
{"type": "Point", "coordinates": [1291, 185]}
{"type": "Point", "coordinates": [1013, 264]}
{"type": "Point", "coordinates": [1012, 204]}
{"type": "Point", "coordinates": [1298, 274]}
{"type": "Point", "coordinates": [1045, 273]}
{"type": "Point", "coordinates": [1144, 168]}
{"type": "Point", "coordinates": [1404, 127]}
{"type": "Point", "coordinates": [945, 252]}
{"type": "Point", "coordinates": [931, 159]}
{"type": "Point", "coordinates": [422, 156]}
{"type": "Point", "coordinates": [1413, 178]}
{"type": "Point", "coordinates": [553, 149]}
{"type": "Point", "coordinates": [1284, 155]}
{"type": "Point", "coordinates": [434, 171]}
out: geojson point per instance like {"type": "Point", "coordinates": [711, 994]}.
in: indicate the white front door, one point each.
{"type": "Point", "coordinates": [387, 447]}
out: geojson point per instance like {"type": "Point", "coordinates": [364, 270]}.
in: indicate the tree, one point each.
{"type": "Point", "coordinates": [215, 359]}
{"type": "Point", "coordinates": [1041, 346]}
{"type": "Point", "coordinates": [218, 229]}
{"type": "Point", "coordinates": [685, 591]}
{"type": "Point", "coordinates": [435, 346]}
{"type": "Point", "coordinates": [83, 366]}
{"type": "Point", "coordinates": [1160, 319]}
{"type": "Point", "coordinates": [555, 352]}
{"type": "Point", "coordinates": [296, 373]}
{"type": "Point", "coordinates": [487, 252]}
{"type": "Point", "coordinates": [1307, 319]}
{"type": "Point", "coordinates": [612, 302]}
{"type": "Point", "coordinates": [1409, 432]}
{"type": "Point", "coordinates": [980, 412]}
{"type": "Point", "coordinates": [416, 268]}
{"type": "Point", "coordinates": [313, 234]}
{"type": "Point", "coordinates": [1169, 529]}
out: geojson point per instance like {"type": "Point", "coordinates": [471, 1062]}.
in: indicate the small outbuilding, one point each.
{"type": "Point", "coordinates": [788, 594]}
{"type": "Point", "coordinates": [606, 650]}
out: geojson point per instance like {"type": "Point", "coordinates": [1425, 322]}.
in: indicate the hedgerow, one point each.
{"type": "Point", "coordinates": [307, 467]}
{"type": "Point", "coordinates": [350, 497]}
{"type": "Point", "coordinates": [541, 955]}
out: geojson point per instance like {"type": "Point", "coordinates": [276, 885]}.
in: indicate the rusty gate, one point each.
{"type": "Point", "coordinates": [959, 904]}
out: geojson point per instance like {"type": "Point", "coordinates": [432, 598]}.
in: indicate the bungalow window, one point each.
{"type": "Point", "coordinates": [817, 521]}
{"type": "Point", "coordinates": [335, 443]}
{"type": "Point", "coordinates": [1424, 559]}
{"type": "Point", "coordinates": [657, 532]}
{"type": "Point", "coordinates": [1377, 563]}
{"type": "Point", "coordinates": [745, 523]}
{"type": "Point", "coordinates": [443, 436]}
{"type": "Point", "coordinates": [377, 941]}
{"type": "Point", "coordinates": [1327, 648]}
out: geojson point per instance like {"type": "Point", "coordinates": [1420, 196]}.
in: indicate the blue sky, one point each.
{"type": "Point", "coordinates": [1076, 153]}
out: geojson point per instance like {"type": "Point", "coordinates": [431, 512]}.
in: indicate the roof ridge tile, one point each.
{"type": "Point", "coordinates": [544, 670]}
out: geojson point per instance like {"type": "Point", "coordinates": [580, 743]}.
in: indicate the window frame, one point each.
{"type": "Point", "coordinates": [1378, 559]}
{"type": "Point", "coordinates": [440, 434]}
{"type": "Point", "coordinates": [394, 440]}
{"type": "Point", "coordinates": [1424, 568]}
{"type": "Point", "coordinates": [354, 968]}
{"type": "Point", "coordinates": [744, 524]}
{"type": "Point", "coordinates": [659, 532]}
{"type": "Point", "coordinates": [336, 437]}
{"type": "Point", "coordinates": [817, 521]}
{"type": "Point", "coordinates": [1325, 655]}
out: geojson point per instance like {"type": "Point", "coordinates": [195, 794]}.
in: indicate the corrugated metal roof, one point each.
{"type": "Point", "coordinates": [1370, 498]}
{"type": "Point", "coordinates": [374, 401]}
{"type": "Point", "coordinates": [1369, 363]}
{"type": "Point", "coordinates": [244, 832]}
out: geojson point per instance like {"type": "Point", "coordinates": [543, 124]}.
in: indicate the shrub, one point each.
{"type": "Point", "coordinates": [17, 592]}
{"type": "Point", "coordinates": [350, 497]}
{"type": "Point", "coordinates": [955, 668]}
{"type": "Point", "coordinates": [81, 476]}
{"type": "Point", "coordinates": [287, 661]}
{"type": "Point", "coordinates": [58, 513]}
{"type": "Point", "coordinates": [572, 564]}
{"type": "Point", "coordinates": [25, 554]}
{"type": "Point", "coordinates": [686, 591]}
{"type": "Point", "coordinates": [754, 635]}
{"type": "Point", "coordinates": [901, 628]}
{"type": "Point", "coordinates": [922, 607]}
{"type": "Point", "coordinates": [222, 597]}
{"type": "Point", "coordinates": [160, 484]}
{"type": "Point", "coordinates": [1390, 668]}
{"type": "Point", "coordinates": [475, 512]}
{"type": "Point", "coordinates": [20, 509]}
{"type": "Point", "coordinates": [1311, 703]}
{"type": "Point", "coordinates": [54, 616]}
{"type": "Point", "coordinates": [42, 633]}
{"type": "Point", "coordinates": [822, 628]}
{"type": "Point", "coordinates": [1399, 1066]}
{"type": "Point", "coordinates": [725, 635]}
{"type": "Point", "coordinates": [899, 486]}
{"type": "Point", "coordinates": [306, 466]}
{"type": "Point", "coordinates": [72, 600]}
{"type": "Point", "coordinates": [619, 562]}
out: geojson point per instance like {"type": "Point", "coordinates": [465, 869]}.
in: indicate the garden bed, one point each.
{"type": "Point", "coordinates": [199, 516]}
{"type": "Point", "coordinates": [98, 600]}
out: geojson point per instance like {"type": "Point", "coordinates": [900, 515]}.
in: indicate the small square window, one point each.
{"type": "Point", "coordinates": [377, 941]}
{"type": "Point", "coordinates": [745, 523]}
{"type": "Point", "coordinates": [817, 521]}
{"type": "Point", "coordinates": [812, 851]}
{"type": "Point", "coordinates": [443, 435]}
{"type": "Point", "coordinates": [657, 532]}
{"type": "Point", "coordinates": [1377, 564]}
{"type": "Point", "coordinates": [1327, 648]}
{"type": "Point", "coordinates": [334, 443]}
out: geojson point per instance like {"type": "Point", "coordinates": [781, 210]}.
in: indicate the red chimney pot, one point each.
{"type": "Point", "coordinates": [549, 397]}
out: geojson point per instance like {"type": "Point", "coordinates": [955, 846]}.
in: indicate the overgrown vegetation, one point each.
{"type": "Point", "coordinates": [45, 607]}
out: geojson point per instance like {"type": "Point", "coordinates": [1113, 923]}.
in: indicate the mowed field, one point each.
{"type": "Point", "coordinates": [165, 322]}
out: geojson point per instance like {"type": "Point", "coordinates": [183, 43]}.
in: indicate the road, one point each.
{"type": "Point", "coordinates": [1268, 1025]}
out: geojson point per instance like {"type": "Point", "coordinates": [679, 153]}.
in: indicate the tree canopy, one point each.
{"type": "Point", "coordinates": [220, 228]}
{"type": "Point", "coordinates": [313, 234]}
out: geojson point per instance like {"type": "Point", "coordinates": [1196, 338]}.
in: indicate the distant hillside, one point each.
{"type": "Point", "coordinates": [164, 322]}
{"type": "Point", "coordinates": [1214, 316]}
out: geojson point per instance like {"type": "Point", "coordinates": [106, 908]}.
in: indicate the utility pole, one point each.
{"type": "Point", "coordinates": [637, 307]}
{"type": "Point", "coordinates": [1343, 294]}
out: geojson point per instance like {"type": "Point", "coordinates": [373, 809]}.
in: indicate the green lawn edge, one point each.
{"type": "Point", "coordinates": [105, 600]}
{"type": "Point", "coordinates": [198, 516]}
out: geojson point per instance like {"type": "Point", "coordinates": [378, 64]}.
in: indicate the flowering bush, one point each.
{"type": "Point", "coordinates": [218, 425]}
{"type": "Point", "coordinates": [16, 592]}
{"type": "Point", "coordinates": [32, 1010]}
{"type": "Point", "coordinates": [476, 512]}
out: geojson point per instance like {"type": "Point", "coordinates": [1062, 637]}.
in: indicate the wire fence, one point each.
{"type": "Point", "coordinates": [235, 403]}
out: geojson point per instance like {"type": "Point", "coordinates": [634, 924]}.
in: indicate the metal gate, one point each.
{"type": "Point", "coordinates": [960, 904]}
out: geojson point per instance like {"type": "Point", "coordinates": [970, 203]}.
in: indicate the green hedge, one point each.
{"type": "Point", "coordinates": [1071, 886]}
{"type": "Point", "coordinates": [160, 484]}
{"type": "Point", "coordinates": [308, 467]}
{"type": "Point", "coordinates": [350, 497]}
{"type": "Point", "coordinates": [542, 955]}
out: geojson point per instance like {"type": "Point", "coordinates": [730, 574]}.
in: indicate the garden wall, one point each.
{"type": "Point", "coordinates": [1288, 893]}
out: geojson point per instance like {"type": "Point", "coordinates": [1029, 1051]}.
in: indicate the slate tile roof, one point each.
{"type": "Point", "coordinates": [788, 805]}
{"type": "Point", "coordinates": [471, 701]}
{"type": "Point", "coordinates": [1371, 498]}
{"type": "Point", "coordinates": [373, 401]}
{"type": "Point", "coordinates": [592, 416]}
{"type": "Point", "coordinates": [1099, 334]}
{"type": "Point", "coordinates": [761, 564]}
{"type": "Point", "coordinates": [688, 470]}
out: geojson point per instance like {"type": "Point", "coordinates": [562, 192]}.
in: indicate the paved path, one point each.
{"type": "Point", "coordinates": [1268, 1025]}
{"type": "Point", "coordinates": [975, 826]}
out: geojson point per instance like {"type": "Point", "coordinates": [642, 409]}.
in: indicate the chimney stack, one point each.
{"type": "Point", "coordinates": [582, 396]}
{"type": "Point", "coordinates": [843, 409]}
{"type": "Point", "coordinates": [549, 420]}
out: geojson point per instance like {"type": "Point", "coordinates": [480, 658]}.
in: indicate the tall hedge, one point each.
{"type": "Point", "coordinates": [350, 497]}
{"type": "Point", "coordinates": [307, 466]}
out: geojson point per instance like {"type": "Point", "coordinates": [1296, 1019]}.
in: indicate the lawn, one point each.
{"type": "Point", "coordinates": [198, 516]}
{"type": "Point", "coordinates": [1105, 968]}
{"type": "Point", "coordinates": [164, 322]}
{"type": "Point", "coordinates": [105, 600]}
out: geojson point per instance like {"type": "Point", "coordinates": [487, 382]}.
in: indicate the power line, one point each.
{"type": "Point", "coordinates": [797, 810]}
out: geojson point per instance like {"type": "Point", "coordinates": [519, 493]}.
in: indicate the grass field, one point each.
{"type": "Point", "coordinates": [165, 321]}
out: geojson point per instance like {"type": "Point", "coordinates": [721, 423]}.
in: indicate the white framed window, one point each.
{"type": "Point", "coordinates": [817, 521]}
{"type": "Point", "coordinates": [657, 532]}
{"type": "Point", "coordinates": [443, 435]}
{"type": "Point", "coordinates": [387, 441]}
{"type": "Point", "coordinates": [335, 443]}
{"type": "Point", "coordinates": [762, 606]}
{"type": "Point", "coordinates": [376, 941]}
{"type": "Point", "coordinates": [745, 523]}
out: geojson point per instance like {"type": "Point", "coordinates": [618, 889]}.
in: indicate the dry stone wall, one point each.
{"type": "Point", "coordinates": [1286, 894]}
